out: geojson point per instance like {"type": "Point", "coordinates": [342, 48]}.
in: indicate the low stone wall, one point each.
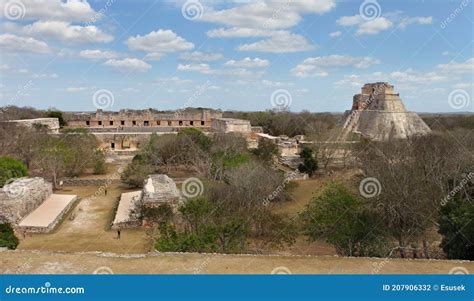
{"type": "Point", "coordinates": [22, 196]}
{"type": "Point", "coordinates": [128, 211]}
{"type": "Point", "coordinates": [89, 182]}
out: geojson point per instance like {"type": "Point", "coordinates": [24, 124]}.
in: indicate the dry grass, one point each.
{"type": "Point", "coordinates": [56, 263]}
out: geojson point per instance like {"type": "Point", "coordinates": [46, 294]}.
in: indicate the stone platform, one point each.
{"type": "Point", "coordinates": [44, 218]}
{"type": "Point", "coordinates": [127, 211]}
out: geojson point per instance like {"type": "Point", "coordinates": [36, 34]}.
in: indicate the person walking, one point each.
{"type": "Point", "coordinates": [118, 233]}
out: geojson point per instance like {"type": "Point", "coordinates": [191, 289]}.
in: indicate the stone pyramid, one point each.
{"type": "Point", "coordinates": [378, 114]}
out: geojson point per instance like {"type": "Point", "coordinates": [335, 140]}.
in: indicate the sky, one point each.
{"type": "Point", "coordinates": [243, 55]}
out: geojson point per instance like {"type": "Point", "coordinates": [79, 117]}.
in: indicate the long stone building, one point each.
{"type": "Point", "coordinates": [130, 120]}
{"type": "Point", "coordinates": [126, 130]}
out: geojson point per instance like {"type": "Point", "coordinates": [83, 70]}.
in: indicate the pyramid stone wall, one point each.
{"type": "Point", "coordinates": [379, 114]}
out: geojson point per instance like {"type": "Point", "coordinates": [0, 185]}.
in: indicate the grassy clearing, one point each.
{"type": "Point", "coordinates": [86, 228]}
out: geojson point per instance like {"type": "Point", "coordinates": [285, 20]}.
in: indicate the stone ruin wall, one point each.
{"type": "Point", "coordinates": [230, 125]}
{"type": "Point", "coordinates": [51, 123]}
{"type": "Point", "coordinates": [144, 119]}
{"type": "Point", "coordinates": [21, 197]}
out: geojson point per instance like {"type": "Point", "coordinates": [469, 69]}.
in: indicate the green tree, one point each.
{"type": "Point", "coordinates": [339, 218]}
{"type": "Point", "coordinates": [196, 136]}
{"type": "Point", "coordinates": [310, 164]}
{"type": "Point", "coordinates": [99, 163]}
{"type": "Point", "coordinates": [162, 214]}
{"type": "Point", "coordinates": [266, 150]}
{"type": "Point", "coordinates": [7, 237]}
{"type": "Point", "coordinates": [11, 168]}
{"type": "Point", "coordinates": [456, 225]}
{"type": "Point", "coordinates": [55, 156]}
{"type": "Point", "coordinates": [59, 115]}
{"type": "Point", "coordinates": [135, 174]}
{"type": "Point", "coordinates": [204, 230]}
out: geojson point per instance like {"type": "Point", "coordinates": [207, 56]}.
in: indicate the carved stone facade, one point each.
{"type": "Point", "coordinates": [231, 125]}
{"type": "Point", "coordinates": [129, 120]}
{"type": "Point", "coordinates": [161, 189]}
{"type": "Point", "coordinates": [22, 196]}
{"type": "Point", "coordinates": [158, 189]}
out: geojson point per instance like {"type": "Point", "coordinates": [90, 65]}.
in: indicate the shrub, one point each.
{"type": "Point", "coordinates": [11, 168]}
{"type": "Point", "coordinates": [339, 218]}
{"type": "Point", "coordinates": [7, 237]}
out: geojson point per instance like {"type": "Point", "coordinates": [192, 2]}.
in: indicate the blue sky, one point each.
{"type": "Point", "coordinates": [243, 55]}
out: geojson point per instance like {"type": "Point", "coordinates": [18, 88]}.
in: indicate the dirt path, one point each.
{"type": "Point", "coordinates": [34, 262]}
{"type": "Point", "coordinates": [85, 228]}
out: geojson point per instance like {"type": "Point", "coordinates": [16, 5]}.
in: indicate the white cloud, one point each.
{"type": "Point", "coordinates": [377, 25]}
{"type": "Point", "coordinates": [405, 79]}
{"type": "Point", "coordinates": [131, 90]}
{"type": "Point", "coordinates": [454, 67]}
{"type": "Point", "coordinates": [350, 20]}
{"type": "Point", "coordinates": [69, 10]}
{"type": "Point", "coordinates": [279, 43]}
{"type": "Point", "coordinates": [240, 32]}
{"type": "Point", "coordinates": [241, 72]}
{"type": "Point", "coordinates": [96, 54]}
{"type": "Point", "coordinates": [64, 31]}
{"type": "Point", "coordinates": [128, 64]}
{"type": "Point", "coordinates": [14, 43]}
{"type": "Point", "coordinates": [160, 41]}
{"type": "Point", "coordinates": [254, 15]}
{"type": "Point", "coordinates": [374, 26]}
{"type": "Point", "coordinates": [45, 75]}
{"type": "Point", "coordinates": [335, 34]}
{"type": "Point", "coordinates": [76, 89]}
{"type": "Point", "coordinates": [201, 68]}
{"type": "Point", "coordinates": [464, 86]}
{"type": "Point", "coordinates": [173, 80]}
{"type": "Point", "coordinates": [206, 69]}
{"type": "Point", "coordinates": [415, 20]}
{"type": "Point", "coordinates": [201, 56]}
{"type": "Point", "coordinates": [316, 66]}
{"type": "Point", "coordinates": [248, 63]}
{"type": "Point", "coordinates": [267, 14]}
{"type": "Point", "coordinates": [153, 56]}
{"type": "Point", "coordinates": [273, 84]}
{"type": "Point", "coordinates": [410, 76]}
